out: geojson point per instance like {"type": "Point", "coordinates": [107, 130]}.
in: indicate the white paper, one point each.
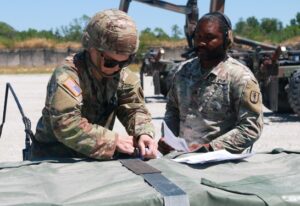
{"type": "Point", "coordinates": [177, 143]}
{"type": "Point", "coordinates": [214, 156]}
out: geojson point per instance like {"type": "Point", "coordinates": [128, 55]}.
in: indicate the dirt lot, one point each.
{"type": "Point", "coordinates": [280, 130]}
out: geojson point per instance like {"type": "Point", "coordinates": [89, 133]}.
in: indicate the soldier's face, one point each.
{"type": "Point", "coordinates": [108, 62]}
{"type": "Point", "coordinates": [209, 40]}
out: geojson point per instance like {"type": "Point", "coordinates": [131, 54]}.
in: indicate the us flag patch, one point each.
{"type": "Point", "coordinates": [73, 87]}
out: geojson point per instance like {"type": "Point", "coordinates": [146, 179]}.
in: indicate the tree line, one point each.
{"type": "Point", "coordinates": [266, 29]}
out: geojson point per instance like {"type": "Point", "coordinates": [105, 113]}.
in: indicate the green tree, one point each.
{"type": "Point", "coordinates": [33, 33]}
{"type": "Point", "coordinates": [147, 35]}
{"type": "Point", "coordinates": [148, 32]}
{"type": "Point", "coordinates": [74, 30]}
{"type": "Point", "coordinates": [30, 33]}
{"type": "Point", "coordinates": [252, 22]}
{"type": "Point", "coordinates": [270, 25]}
{"type": "Point", "coordinates": [293, 22]}
{"type": "Point", "coordinates": [298, 18]}
{"type": "Point", "coordinates": [249, 28]}
{"type": "Point", "coordinates": [240, 26]}
{"type": "Point", "coordinates": [160, 33]}
{"type": "Point", "coordinates": [176, 32]}
{"type": "Point", "coordinates": [7, 30]}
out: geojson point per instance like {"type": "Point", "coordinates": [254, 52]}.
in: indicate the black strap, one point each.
{"type": "Point", "coordinates": [29, 134]}
{"type": "Point", "coordinates": [172, 194]}
{"type": "Point", "coordinates": [139, 167]}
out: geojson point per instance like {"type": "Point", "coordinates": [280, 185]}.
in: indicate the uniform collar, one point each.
{"type": "Point", "coordinates": [215, 71]}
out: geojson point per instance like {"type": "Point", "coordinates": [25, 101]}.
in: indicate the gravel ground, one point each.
{"type": "Point", "coordinates": [280, 130]}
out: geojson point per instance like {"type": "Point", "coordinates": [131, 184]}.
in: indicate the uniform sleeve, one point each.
{"type": "Point", "coordinates": [65, 99]}
{"type": "Point", "coordinates": [172, 117]}
{"type": "Point", "coordinates": [131, 110]}
{"type": "Point", "coordinates": [248, 103]}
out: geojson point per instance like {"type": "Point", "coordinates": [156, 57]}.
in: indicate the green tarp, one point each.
{"type": "Point", "coordinates": [263, 179]}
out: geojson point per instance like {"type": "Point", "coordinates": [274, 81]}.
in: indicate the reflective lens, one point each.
{"type": "Point", "coordinates": [111, 63]}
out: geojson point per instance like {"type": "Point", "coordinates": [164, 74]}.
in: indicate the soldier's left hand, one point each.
{"type": "Point", "coordinates": [147, 147]}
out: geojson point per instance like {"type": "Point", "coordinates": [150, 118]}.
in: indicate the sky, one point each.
{"type": "Point", "coordinates": [52, 14]}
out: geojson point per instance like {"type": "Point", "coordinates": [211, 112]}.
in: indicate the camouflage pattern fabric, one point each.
{"type": "Point", "coordinates": [111, 30]}
{"type": "Point", "coordinates": [222, 107]}
{"type": "Point", "coordinates": [80, 110]}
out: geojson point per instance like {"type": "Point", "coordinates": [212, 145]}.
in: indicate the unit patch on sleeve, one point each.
{"type": "Point", "coordinates": [254, 97]}
{"type": "Point", "coordinates": [251, 98]}
{"type": "Point", "coordinates": [72, 87]}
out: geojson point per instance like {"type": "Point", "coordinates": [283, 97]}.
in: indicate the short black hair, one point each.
{"type": "Point", "coordinates": [224, 21]}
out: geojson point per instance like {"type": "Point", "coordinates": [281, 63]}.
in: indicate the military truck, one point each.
{"type": "Point", "coordinates": [276, 68]}
{"type": "Point", "coordinates": [162, 69]}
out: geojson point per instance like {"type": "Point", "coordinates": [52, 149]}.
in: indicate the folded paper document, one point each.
{"type": "Point", "coordinates": [177, 143]}
{"type": "Point", "coordinates": [216, 156]}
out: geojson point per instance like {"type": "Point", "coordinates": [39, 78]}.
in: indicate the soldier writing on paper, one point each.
{"type": "Point", "coordinates": [90, 89]}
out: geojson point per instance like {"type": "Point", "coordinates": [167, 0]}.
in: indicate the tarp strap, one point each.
{"type": "Point", "coordinates": [172, 194]}
{"type": "Point", "coordinates": [29, 134]}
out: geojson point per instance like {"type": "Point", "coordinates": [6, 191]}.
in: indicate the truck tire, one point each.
{"type": "Point", "coordinates": [283, 99]}
{"type": "Point", "coordinates": [294, 92]}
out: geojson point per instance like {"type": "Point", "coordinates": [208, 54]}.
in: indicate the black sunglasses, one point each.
{"type": "Point", "coordinates": [111, 63]}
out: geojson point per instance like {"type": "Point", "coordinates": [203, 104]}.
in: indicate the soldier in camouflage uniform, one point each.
{"type": "Point", "coordinates": [157, 67]}
{"type": "Point", "coordinates": [215, 101]}
{"type": "Point", "coordinates": [91, 88]}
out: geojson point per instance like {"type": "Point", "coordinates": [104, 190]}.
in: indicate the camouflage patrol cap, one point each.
{"type": "Point", "coordinates": [111, 30]}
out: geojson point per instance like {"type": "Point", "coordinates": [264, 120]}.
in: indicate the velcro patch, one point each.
{"type": "Point", "coordinates": [72, 87]}
{"type": "Point", "coordinates": [254, 97]}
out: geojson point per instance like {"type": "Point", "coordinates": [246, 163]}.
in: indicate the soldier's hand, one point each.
{"type": "Point", "coordinates": [147, 147]}
{"type": "Point", "coordinates": [163, 147]}
{"type": "Point", "coordinates": [125, 144]}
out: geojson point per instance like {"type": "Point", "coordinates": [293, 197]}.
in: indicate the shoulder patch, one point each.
{"type": "Point", "coordinates": [72, 86]}
{"type": "Point", "coordinates": [252, 97]}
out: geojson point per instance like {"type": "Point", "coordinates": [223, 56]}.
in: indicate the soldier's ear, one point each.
{"type": "Point", "coordinates": [229, 38]}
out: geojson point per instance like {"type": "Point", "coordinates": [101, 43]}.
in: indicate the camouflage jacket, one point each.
{"type": "Point", "coordinates": [222, 107]}
{"type": "Point", "coordinates": [80, 110]}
